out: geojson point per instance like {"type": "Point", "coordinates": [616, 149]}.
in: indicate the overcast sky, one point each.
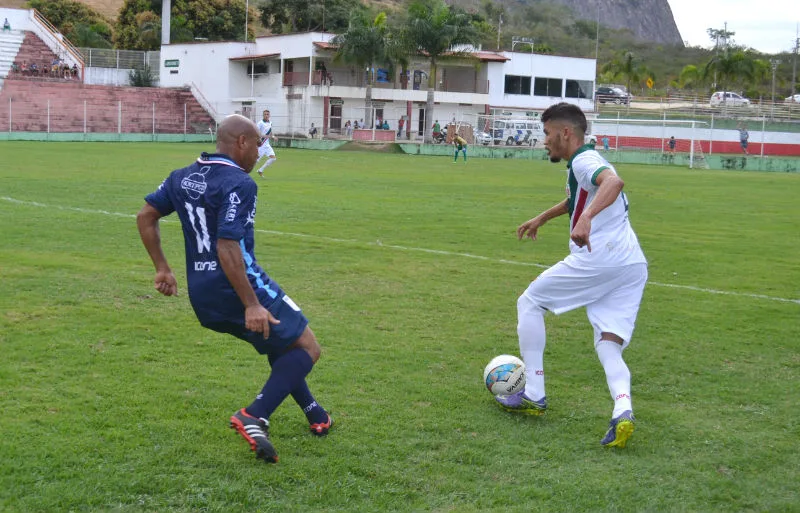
{"type": "Point", "coordinates": [769, 26]}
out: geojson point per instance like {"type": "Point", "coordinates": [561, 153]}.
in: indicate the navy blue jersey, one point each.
{"type": "Point", "coordinates": [215, 198]}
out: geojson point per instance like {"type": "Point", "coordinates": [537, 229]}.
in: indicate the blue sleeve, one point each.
{"type": "Point", "coordinates": [160, 199]}
{"type": "Point", "coordinates": [237, 211]}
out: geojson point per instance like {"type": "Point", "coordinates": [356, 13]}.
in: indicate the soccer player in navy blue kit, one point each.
{"type": "Point", "coordinates": [215, 199]}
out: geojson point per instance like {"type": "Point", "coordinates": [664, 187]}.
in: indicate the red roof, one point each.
{"type": "Point", "coordinates": [490, 56]}
{"type": "Point", "coordinates": [481, 55]}
{"type": "Point", "coordinates": [325, 45]}
{"type": "Point", "coordinates": [254, 57]}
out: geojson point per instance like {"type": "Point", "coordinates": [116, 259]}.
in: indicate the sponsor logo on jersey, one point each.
{"type": "Point", "coordinates": [233, 200]}
{"type": "Point", "coordinates": [195, 184]}
{"type": "Point", "coordinates": [205, 266]}
{"type": "Point", "coordinates": [251, 217]}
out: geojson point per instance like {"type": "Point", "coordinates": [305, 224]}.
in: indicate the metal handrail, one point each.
{"type": "Point", "coordinates": [66, 43]}
{"type": "Point", "coordinates": [203, 101]}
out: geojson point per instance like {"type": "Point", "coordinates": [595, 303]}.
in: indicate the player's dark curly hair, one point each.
{"type": "Point", "coordinates": [568, 112]}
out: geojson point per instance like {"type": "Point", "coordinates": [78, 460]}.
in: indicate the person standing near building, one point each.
{"type": "Point", "coordinates": [265, 149]}
{"type": "Point", "coordinates": [672, 142]}
{"type": "Point", "coordinates": [606, 272]}
{"type": "Point", "coordinates": [215, 200]}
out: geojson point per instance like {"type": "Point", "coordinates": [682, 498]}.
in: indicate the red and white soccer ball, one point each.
{"type": "Point", "coordinates": [505, 375]}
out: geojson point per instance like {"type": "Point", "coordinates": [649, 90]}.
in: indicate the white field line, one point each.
{"type": "Point", "coordinates": [378, 243]}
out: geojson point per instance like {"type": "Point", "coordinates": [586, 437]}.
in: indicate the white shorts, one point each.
{"type": "Point", "coordinates": [265, 150]}
{"type": "Point", "coordinates": [611, 295]}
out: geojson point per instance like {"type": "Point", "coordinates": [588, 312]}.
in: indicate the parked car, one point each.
{"type": "Point", "coordinates": [517, 131]}
{"type": "Point", "coordinates": [795, 98]}
{"type": "Point", "coordinates": [728, 98]}
{"type": "Point", "coordinates": [612, 95]}
{"type": "Point", "coordinates": [482, 138]}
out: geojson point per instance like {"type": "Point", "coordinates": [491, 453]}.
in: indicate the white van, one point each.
{"type": "Point", "coordinates": [517, 131]}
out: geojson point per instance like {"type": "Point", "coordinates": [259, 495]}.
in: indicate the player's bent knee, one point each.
{"type": "Point", "coordinates": [612, 337]}
{"type": "Point", "coordinates": [527, 305]}
{"type": "Point", "coordinates": [308, 343]}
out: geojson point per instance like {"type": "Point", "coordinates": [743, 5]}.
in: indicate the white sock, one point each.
{"type": "Point", "coordinates": [618, 376]}
{"type": "Point", "coordinates": [265, 165]}
{"type": "Point", "coordinates": [532, 338]}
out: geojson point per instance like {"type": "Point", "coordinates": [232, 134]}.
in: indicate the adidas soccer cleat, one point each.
{"type": "Point", "coordinates": [321, 428]}
{"type": "Point", "coordinates": [256, 432]}
{"type": "Point", "coordinates": [619, 431]}
{"type": "Point", "coordinates": [520, 403]}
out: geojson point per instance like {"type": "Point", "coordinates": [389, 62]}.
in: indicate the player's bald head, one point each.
{"type": "Point", "coordinates": [233, 127]}
{"type": "Point", "coordinates": [238, 138]}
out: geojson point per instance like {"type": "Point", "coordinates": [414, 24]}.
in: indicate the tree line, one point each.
{"type": "Point", "coordinates": [643, 67]}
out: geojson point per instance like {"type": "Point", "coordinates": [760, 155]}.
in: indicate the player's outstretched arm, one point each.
{"type": "Point", "coordinates": [531, 227]}
{"type": "Point", "coordinates": [256, 317]}
{"type": "Point", "coordinates": [147, 223]}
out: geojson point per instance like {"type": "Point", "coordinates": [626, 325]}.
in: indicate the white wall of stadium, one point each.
{"type": "Point", "coordinates": [296, 77]}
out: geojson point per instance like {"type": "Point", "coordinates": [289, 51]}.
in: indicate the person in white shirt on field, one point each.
{"type": "Point", "coordinates": [606, 272]}
{"type": "Point", "coordinates": [265, 149]}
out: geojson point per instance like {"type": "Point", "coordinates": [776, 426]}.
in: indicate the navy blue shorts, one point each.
{"type": "Point", "coordinates": [282, 335]}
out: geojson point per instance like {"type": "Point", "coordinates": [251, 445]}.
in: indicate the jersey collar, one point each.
{"type": "Point", "coordinates": [585, 147]}
{"type": "Point", "coordinates": [217, 158]}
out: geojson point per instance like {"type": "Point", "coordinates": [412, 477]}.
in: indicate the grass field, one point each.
{"type": "Point", "coordinates": [113, 398]}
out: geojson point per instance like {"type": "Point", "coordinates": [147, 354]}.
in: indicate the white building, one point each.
{"type": "Point", "coordinates": [296, 78]}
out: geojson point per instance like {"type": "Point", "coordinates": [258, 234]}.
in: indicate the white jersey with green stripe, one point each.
{"type": "Point", "coordinates": [614, 243]}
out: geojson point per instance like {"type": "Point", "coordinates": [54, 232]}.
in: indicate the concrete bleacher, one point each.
{"type": "Point", "coordinates": [10, 42]}
{"type": "Point", "coordinates": [46, 101]}
{"type": "Point", "coordinates": [71, 106]}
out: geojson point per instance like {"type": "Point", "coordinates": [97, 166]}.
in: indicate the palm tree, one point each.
{"type": "Point", "coordinates": [85, 36]}
{"type": "Point", "coordinates": [626, 66]}
{"type": "Point", "coordinates": [730, 68]}
{"type": "Point", "coordinates": [365, 44]}
{"type": "Point", "coordinates": [690, 76]}
{"type": "Point", "coordinates": [433, 29]}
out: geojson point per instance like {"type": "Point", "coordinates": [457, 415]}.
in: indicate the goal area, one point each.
{"type": "Point", "coordinates": [668, 137]}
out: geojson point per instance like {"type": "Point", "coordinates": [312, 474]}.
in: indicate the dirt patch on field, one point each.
{"type": "Point", "coordinates": [375, 147]}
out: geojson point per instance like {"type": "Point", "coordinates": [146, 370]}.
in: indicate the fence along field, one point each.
{"type": "Point", "coordinates": [408, 269]}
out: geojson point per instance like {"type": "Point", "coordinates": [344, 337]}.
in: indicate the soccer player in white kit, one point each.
{"type": "Point", "coordinates": [265, 149]}
{"type": "Point", "coordinates": [605, 271]}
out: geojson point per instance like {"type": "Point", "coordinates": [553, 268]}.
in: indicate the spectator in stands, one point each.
{"type": "Point", "coordinates": [400, 124]}
{"type": "Point", "coordinates": [348, 129]}
{"type": "Point", "coordinates": [385, 125]}
{"type": "Point", "coordinates": [356, 126]}
{"type": "Point", "coordinates": [74, 71]}
{"type": "Point", "coordinates": [14, 67]}
{"type": "Point", "coordinates": [34, 69]}
{"type": "Point", "coordinates": [6, 25]}
{"type": "Point", "coordinates": [24, 68]}
{"type": "Point", "coordinates": [312, 132]}
{"type": "Point", "coordinates": [672, 143]}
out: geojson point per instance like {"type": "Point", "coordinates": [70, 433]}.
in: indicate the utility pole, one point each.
{"type": "Point", "coordinates": [246, 12]}
{"type": "Point", "coordinates": [597, 36]}
{"type": "Point", "coordinates": [499, 29]}
{"type": "Point", "coordinates": [774, 63]}
{"type": "Point", "coordinates": [794, 57]}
